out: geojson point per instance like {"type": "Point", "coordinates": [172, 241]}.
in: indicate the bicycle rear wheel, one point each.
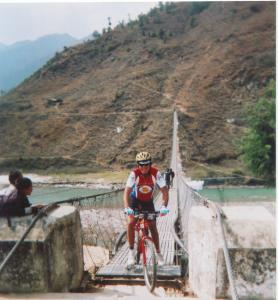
{"type": "Point", "coordinates": [150, 266]}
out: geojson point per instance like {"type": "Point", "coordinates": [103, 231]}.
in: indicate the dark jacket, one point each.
{"type": "Point", "coordinates": [13, 205]}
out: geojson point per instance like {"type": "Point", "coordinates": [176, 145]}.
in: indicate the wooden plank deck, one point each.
{"type": "Point", "coordinates": [117, 266]}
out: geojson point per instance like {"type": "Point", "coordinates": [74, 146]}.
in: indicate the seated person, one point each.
{"type": "Point", "coordinates": [16, 204]}
{"type": "Point", "coordinates": [14, 176]}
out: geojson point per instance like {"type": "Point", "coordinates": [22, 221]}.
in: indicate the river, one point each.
{"type": "Point", "coordinates": [49, 194]}
{"type": "Point", "coordinates": [240, 194]}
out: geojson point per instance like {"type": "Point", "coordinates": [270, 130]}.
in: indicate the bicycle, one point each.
{"type": "Point", "coordinates": [145, 247]}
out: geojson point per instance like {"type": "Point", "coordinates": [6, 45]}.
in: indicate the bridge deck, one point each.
{"type": "Point", "coordinates": [117, 266]}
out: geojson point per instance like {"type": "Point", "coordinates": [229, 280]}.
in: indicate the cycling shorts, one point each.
{"type": "Point", "coordinates": [142, 205]}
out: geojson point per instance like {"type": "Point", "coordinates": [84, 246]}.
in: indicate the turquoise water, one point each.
{"type": "Point", "coordinates": [51, 194]}
{"type": "Point", "coordinates": [241, 194]}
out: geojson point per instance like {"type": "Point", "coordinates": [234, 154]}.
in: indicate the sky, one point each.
{"type": "Point", "coordinates": [29, 21]}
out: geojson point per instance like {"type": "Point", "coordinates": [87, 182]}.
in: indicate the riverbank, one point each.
{"type": "Point", "coordinates": [104, 180]}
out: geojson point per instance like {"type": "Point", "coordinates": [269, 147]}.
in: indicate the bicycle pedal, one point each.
{"type": "Point", "coordinates": [129, 267]}
{"type": "Point", "coordinates": [138, 269]}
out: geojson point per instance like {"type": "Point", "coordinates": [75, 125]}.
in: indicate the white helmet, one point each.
{"type": "Point", "coordinates": [143, 158]}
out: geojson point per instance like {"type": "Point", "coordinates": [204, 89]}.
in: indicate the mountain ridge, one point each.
{"type": "Point", "coordinates": [20, 59]}
{"type": "Point", "coordinates": [207, 61]}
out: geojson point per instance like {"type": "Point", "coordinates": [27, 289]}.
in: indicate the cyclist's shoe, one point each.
{"type": "Point", "coordinates": [160, 259]}
{"type": "Point", "coordinates": [130, 259]}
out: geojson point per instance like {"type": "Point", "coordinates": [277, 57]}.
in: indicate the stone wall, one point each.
{"type": "Point", "coordinates": [250, 234]}
{"type": "Point", "coordinates": [51, 257]}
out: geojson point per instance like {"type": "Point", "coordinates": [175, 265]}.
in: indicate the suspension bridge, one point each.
{"type": "Point", "coordinates": [103, 225]}
{"type": "Point", "coordinates": [170, 249]}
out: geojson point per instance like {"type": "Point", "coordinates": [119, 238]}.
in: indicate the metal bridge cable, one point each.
{"type": "Point", "coordinates": [78, 114]}
{"type": "Point", "coordinates": [174, 168]}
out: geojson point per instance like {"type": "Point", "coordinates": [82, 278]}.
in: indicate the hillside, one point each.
{"type": "Point", "coordinates": [93, 106]}
{"type": "Point", "coordinates": [22, 59]}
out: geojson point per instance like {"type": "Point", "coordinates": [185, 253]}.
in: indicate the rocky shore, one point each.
{"type": "Point", "coordinates": [84, 181]}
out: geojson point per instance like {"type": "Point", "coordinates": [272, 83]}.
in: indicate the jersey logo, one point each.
{"type": "Point", "coordinates": [145, 189]}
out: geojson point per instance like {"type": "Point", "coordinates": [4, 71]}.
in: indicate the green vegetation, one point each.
{"type": "Point", "coordinates": [255, 8]}
{"type": "Point", "coordinates": [258, 143]}
{"type": "Point", "coordinates": [96, 34]}
{"type": "Point", "coordinates": [168, 7]}
{"type": "Point", "coordinates": [197, 7]}
{"type": "Point", "coordinates": [143, 20]}
{"type": "Point", "coordinates": [193, 22]}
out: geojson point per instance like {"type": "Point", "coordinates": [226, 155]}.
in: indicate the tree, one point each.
{"type": "Point", "coordinates": [198, 7]}
{"type": "Point", "coordinates": [161, 6]}
{"type": "Point", "coordinates": [258, 143]}
{"type": "Point", "coordinates": [96, 34]}
{"type": "Point", "coordinates": [109, 24]}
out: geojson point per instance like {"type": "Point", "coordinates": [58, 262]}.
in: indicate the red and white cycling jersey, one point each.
{"type": "Point", "coordinates": [143, 185]}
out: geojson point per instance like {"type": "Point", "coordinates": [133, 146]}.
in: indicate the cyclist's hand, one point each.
{"type": "Point", "coordinates": [163, 210]}
{"type": "Point", "coordinates": [129, 211]}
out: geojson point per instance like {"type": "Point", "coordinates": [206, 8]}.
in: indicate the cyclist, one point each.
{"type": "Point", "coordinates": [138, 194]}
{"type": "Point", "coordinates": [172, 175]}
{"type": "Point", "coordinates": [169, 176]}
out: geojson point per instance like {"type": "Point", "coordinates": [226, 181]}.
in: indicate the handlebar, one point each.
{"type": "Point", "coordinates": [146, 215]}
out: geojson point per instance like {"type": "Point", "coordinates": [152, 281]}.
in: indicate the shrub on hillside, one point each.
{"type": "Point", "coordinates": [258, 143]}
{"type": "Point", "coordinates": [198, 7]}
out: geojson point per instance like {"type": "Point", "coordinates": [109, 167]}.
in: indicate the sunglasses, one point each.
{"type": "Point", "coordinates": [144, 165]}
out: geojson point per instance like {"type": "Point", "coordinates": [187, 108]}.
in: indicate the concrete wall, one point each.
{"type": "Point", "coordinates": [50, 258]}
{"type": "Point", "coordinates": [250, 233]}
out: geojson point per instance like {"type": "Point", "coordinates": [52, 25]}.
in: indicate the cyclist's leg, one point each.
{"type": "Point", "coordinates": [130, 231]}
{"type": "Point", "coordinates": [149, 206]}
{"type": "Point", "coordinates": [131, 235]}
{"type": "Point", "coordinates": [131, 223]}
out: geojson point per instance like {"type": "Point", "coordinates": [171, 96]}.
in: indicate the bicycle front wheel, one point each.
{"type": "Point", "coordinates": [150, 266]}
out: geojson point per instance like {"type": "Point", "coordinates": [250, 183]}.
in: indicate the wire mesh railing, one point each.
{"type": "Point", "coordinates": [187, 198]}
{"type": "Point", "coordinates": [102, 221]}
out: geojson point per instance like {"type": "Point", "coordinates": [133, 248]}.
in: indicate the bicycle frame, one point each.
{"type": "Point", "coordinates": [142, 226]}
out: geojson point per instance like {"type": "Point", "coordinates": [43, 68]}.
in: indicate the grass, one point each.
{"type": "Point", "coordinates": [101, 177]}
{"type": "Point", "coordinates": [227, 168]}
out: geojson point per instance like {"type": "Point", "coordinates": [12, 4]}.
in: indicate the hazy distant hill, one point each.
{"type": "Point", "coordinates": [2, 46]}
{"type": "Point", "coordinates": [21, 59]}
{"type": "Point", "coordinates": [93, 106]}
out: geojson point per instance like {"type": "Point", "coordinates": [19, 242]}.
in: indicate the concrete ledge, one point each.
{"type": "Point", "coordinates": [51, 257]}
{"type": "Point", "coordinates": [250, 234]}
